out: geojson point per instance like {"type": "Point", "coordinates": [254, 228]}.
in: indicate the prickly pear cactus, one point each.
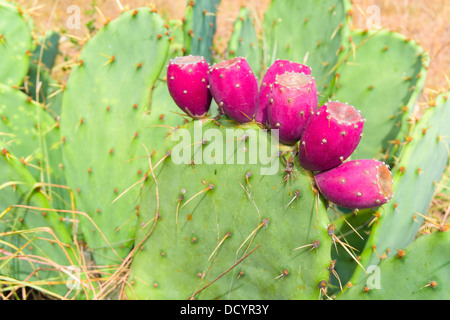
{"type": "Point", "coordinates": [320, 50]}
{"type": "Point", "coordinates": [228, 231]}
{"type": "Point", "coordinates": [15, 44]}
{"type": "Point", "coordinates": [24, 123]}
{"type": "Point", "coordinates": [245, 42]}
{"type": "Point", "coordinates": [413, 174]}
{"type": "Point", "coordinates": [361, 82]}
{"type": "Point", "coordinates": [212, 208]}
{"type": "Point", "coordinates": [188, 85]}
{"type": "Point", "coordinates": [33, 136]}
{"type": "Point", "coordinates": [106, 126]}
{"type": "Point", "coordinates": [234, 88]}
{"type": "Point", "coordinates": [39, 81]}
{"type": "Point", "coordinates": [330, 136]}
{"type": "Point", "coordinates": [291, 101]}
{"type": "Point", "coordinates": [406, 276]}
{"type": "Point", "coordinates": [199, 26]}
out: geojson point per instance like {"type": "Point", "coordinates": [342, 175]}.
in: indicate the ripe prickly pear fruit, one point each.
{"type": "Point", "coordinates": [277, 68]}
{"type": "Point", "coordinates": [330, 136]}
{"type": "Point", "coordinates": [292, 100]}
{"type": "Point", "coordinates": [234, 87]}
{"type": "Point", "coordinates": [187, 80]}
{"type": "Point", "coordinates": [357, 184]}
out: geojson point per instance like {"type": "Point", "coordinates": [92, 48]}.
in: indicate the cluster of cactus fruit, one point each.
{"type": "Point", "coordinates": [287, 101]}
{"type": "Point", "coordinates": [95, 203]}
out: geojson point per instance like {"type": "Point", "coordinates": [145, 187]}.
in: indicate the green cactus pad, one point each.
{"type": "Point", "coordinates": [46, 50]}
{"type": "Point", "coordinates": [306, 38]}
{"type": "Point", "coordinates": [176, 38]}
{"type": "Point", "coordinates": [199, 27]}
{"type": "Point", "coordinates": [15, 44]}
{"type": "Point", "coordinates": [31, 134]}
{"type": "Point", "coordinates": [106, 120]}
{"type": "Point", "coordinates": [415, 174]}
{"type": "Point", "coordinates": [421, 274]}
{"type": "Point", "coordinates": [42, 62]}
{"type": "Point", "coordinates": [23, 123]}
{"type": "Point", "coordinates": [382, 76]}
{"type": "Point", "coordinates": [210, 218]}
{"type": "Point", "coordinates": [244, 41]}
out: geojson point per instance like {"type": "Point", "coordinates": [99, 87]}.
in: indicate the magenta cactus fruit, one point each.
{"type": "Point", "coordinates": [330, 136]}
{"type": "Point", "coordinates": [234, 87]}
{"type": "Point", "coordinates": [187, 80]}
{"type": "Point", "coordinates": [277, 68]}
{"type": "Point", "coordinates": [292, 100]}
{"type": "Point", "coordinates": [357, 184]}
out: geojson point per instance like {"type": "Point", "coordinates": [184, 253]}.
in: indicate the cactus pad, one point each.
{"type": "Point", "coordinates": [228, 228]}
{"type": "Point", "coordinates": [15, 44]}
{"type": "Point", "coordinates": [408, 275]}
{"type": "Point", "coordinates": [415, 174]}
{"type": "Point", "coordinates": [386, 96]}
{"type": "Point", "coordinates": [105, 123]}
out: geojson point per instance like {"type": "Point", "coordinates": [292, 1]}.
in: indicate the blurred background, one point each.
{"type": "Point", "coordinates": [427, 22]}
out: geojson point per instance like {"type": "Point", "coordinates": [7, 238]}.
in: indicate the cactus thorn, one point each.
{"type": "Point", "coordinates": [314, 245]}
{"type": "Point", "coordinates": [431, 284]}
{"type": "Point", "coordinates": [283, 274]}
